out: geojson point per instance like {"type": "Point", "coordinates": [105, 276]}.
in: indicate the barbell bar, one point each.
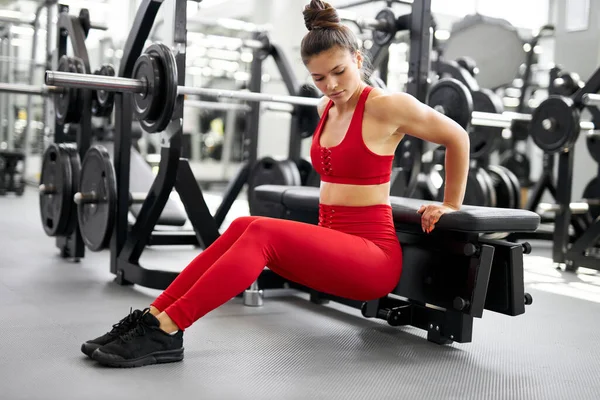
{"type": "Point", "coordinates": [129, 85]}
{"type": "Point", "coordinates": [18, 88]}
{"type": "Point", "coordinates": [94, 198]}
{"type": "Point", "coordinates": [591, 99]}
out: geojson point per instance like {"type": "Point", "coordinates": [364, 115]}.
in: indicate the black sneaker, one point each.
{"type": "Point", "coordinates": [145, 344]}
{"type": "Point", "coordinates": [118, 329]}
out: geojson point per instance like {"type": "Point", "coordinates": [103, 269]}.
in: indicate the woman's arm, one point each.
{"type": "Point", "coordinates": [414, 118]}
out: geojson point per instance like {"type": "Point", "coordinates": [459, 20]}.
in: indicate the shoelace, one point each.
{"type": "Point", "coordinates": [139, 330]}
{"type": "Point", "coordinates": [123, 325]}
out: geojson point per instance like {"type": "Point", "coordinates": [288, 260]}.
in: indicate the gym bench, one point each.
{"type": "Point", "coordinates": [449, 276]}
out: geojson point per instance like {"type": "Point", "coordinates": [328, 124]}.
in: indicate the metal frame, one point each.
{"type": "Point", "coordinates": [70, 27]}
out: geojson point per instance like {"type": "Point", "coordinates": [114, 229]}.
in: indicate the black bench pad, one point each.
{"type": "Point", "coordinates": [469, 219]}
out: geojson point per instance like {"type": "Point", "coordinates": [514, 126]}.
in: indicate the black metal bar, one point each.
{"type": "Point", "coordinates": [563, 199]}
{"type": "Point", "coordinates": [167, 238]}
{"type": "Point", "coordinates": [69, 27]}
{"type": "Point", "coordinates": [545, 181]}
{"type": "Point", "coordinates": [154, 279]}
{"type": "Point", "coordinates": [592, 85]}
{"type": "Point", "coordinates": [583, 252]}
{"type": "Point", "coordinates": [480, 269]}
{"type": "Point", "coordinates": [418, 78]}
{"type": "Point", "coordinates": [250, 145]}
{"type": "Point", "coordinates": [197, 210]}
{"type": "Point", "coordinates": [232, 191]}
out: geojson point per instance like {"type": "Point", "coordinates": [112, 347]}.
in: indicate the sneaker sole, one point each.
{"type": "Point", "coordinates": [158, 357]}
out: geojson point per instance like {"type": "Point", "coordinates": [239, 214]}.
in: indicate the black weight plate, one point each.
{"type": "Point", "coordinates": [102, 100]}
{"type": "Point", "coordinates": [484, 140]}
{"type": "Point", "coordinates": [65, 102]}
{"type": "Point", "coordinates": [592, 192]}
{"type": "Point", "coordinates": [503, 186]}
{"type": "Point", "coordinates": [56, 174]}
{"type": "Point", "coordinates": [593, 144]}
{"type": "Point", "coordinates": [71, 149]}
{"type": "Point", "coordinates": [485, 177]}
{"type": "Point", "coordinates": [555, 124]}
{"type": "Point", "coordinates": [96, 220]}
{"type": "Point", "coordinates": [518, 163]}
{"type": "Point", "coordinates": [516, 185]}
{"type": "Point", "coordinates": [383, 37]}
{"type": "Point", "coordinates": [308, 116]}
{"type": "Point", "coordinates": [477, 192]}
{"type": "Point", "coordinates": [269, 171]}
{"type": "Point", "coordinates": [147, 106]}
{"type": "Point", "coordinates": [308, 175]}
{"type": "Point", "coordinates": [167, 90]}
{"type": "Point", "coordinates": [452, 98]}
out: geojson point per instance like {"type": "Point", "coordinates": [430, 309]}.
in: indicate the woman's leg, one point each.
{"type": "Point", "coordinates": [200, 264]}
{"type": "Point", "coordinates": [323, 259]}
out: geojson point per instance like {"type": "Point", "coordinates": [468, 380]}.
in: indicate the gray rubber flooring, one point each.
{"type": "Point", "coordinates": [289, 348]}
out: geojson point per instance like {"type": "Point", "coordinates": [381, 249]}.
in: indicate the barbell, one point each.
{"type": "Point", "coordinates": [554, 125]}
{"type": "Point", "coordinates": [17, 88]}
{"type": "Point", "coordinates": [154, 86]}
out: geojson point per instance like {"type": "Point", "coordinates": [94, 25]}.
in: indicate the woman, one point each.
{"type": "Point", "coordinates": [354, 251]}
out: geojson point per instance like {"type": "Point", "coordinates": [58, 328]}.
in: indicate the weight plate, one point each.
{"type": "Point", "coordinates": [592, 192]}
{"type": "Point", "coordinates": [593, 144]}
{"type": "Point", "coordinates": [71, 149]}
{"type": "Point", "coordinates": [485, 177]}
{"type": "Point", "coordinates": [503, 186]}
{"type": "Point", "coordinates": [516, 185]}
{"type": "Point", "coordinates": [567, 84]}
{"type": "Point", "coordinates": [452, 98]}
{"type": "Point", "coordinates": [67, 107]}
{"type": "Point", "coordinates": [167, 89]}
{"type": "Point", "coordinates": [484, 140]}
{"type": "Point", "coordinates": [518, 163]}
{"type": "Point", "coordinates": [469, 64]}
{"type": "Point", "coordinates": [308, 116]}
{"type": "Point", "coordinates": [98, 177]}
{"type": "Point", "coordinates": [383, 37]}
{"type": "Point", "coordinates": [102, 100]}
{"type": "Point", "coordinates": [268, 171]}
{"type": "Point", "coordinates": [308, 175]}
{"type": "Point", "coordinates": [147, 106]}
{"type": "Point", "coordinates": [56, 191]}
{"type": "Point", "coordinates": [477, 192]}
{"type": "Point", "coordinates": [555, 124]}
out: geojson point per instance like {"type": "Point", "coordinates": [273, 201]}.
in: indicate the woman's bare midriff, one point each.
{"type": "Point", "coordinates": [336, 194]}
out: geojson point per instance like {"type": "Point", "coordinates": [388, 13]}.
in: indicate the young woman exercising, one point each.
{"type": "Point", "coordinates": [353, 252]}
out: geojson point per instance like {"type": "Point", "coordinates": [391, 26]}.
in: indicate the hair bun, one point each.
{"type": "Point", "coordinates": [320, 15]}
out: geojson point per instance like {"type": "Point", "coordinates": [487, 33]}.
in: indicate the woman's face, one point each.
{"type": "Point", "coordinates": [336, 73]}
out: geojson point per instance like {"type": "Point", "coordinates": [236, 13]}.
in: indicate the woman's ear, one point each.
{"type": "Point", "coordinates": [359, 59]}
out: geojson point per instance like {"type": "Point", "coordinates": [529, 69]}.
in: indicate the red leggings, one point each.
{"type": "Point", "coordinates": [353, 253]}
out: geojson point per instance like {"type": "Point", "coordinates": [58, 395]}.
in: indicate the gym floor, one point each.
{"type": "Point", "coordinates": [287, 349]}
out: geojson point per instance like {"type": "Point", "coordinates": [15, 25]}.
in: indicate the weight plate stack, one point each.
{"type": "Point", "coordinates": [506, 193]}
{"type": "Point", "coordinates": [269, 171]}
{"type": "Point", "coordinates": [98, 180]}
{"type": "Point", "coordinates": [592, 193]}
{"type": "Point", "coordinates": [479, 191]}
{"type": "Point", "coordinates": [67, 103]}
{"type": "Point", "coordinates": [452, 98]}
{"type": "Point", "coordinates": [103, 101]}
{"type": "Point", "coordinates": [154, 108]}
{"type": "Point", "coordinates": [56, 190]}
{"type": "Point", "coordinates": [71, 149]}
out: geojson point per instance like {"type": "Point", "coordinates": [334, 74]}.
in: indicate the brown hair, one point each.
{"type": "Point", "coordinates": [325, 31]}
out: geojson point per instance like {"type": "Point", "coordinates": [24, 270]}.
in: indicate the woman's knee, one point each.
{"type": "Point", "coordinates": [241, 223]}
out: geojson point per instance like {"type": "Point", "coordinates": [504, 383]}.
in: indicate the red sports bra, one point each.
{"type": "Point", "coordinates": [351, 161]}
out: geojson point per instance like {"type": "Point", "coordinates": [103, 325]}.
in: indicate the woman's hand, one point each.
{"type": "Point", "coordinates": [431, 213]}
